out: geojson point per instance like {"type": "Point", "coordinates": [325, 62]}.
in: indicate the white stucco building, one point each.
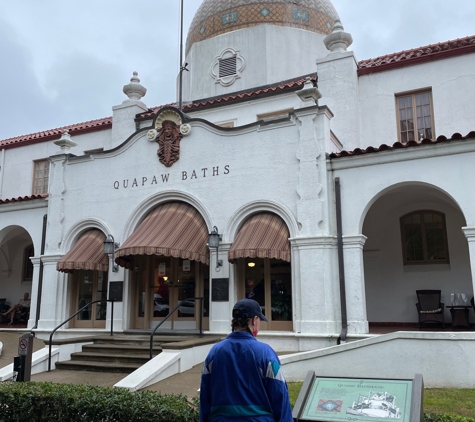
{"type": "Point", "coordinates": [276, 111]}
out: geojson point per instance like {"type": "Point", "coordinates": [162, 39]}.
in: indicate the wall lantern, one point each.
{"type": "Point", "coordinates": [213, 243]}
{"type": "Point", "coordinates": [109, 248]}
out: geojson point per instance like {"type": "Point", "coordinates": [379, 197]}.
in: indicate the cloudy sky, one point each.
{"type": "Point", "coordinates": [66, 61]}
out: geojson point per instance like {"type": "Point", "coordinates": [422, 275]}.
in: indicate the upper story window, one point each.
{"type": "Point", "coordinates": [41, 177]}
{"type": "Point", "coordinates": [92, 151]}
{"type": "Point", "coordinates": [415, 116]}
{"type": "Point", "coordinates": [274, 115]}
{"type": "Point", "coordinates": [226, 124]}
{"type": "Point", "coordinates": [424, 238]}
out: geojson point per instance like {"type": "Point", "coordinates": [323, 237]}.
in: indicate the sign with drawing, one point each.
{"type": "Point", "coordinates": [359, 399]}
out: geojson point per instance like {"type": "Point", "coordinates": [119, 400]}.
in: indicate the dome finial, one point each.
{"type": "Point", "coordinates": [338, 40]}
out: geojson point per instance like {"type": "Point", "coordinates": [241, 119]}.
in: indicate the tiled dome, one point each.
{"type": "Point", "coordinates": [215, 17]}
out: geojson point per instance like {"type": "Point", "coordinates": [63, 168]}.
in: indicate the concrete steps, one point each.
{"type": "Point", "coordinates": [120, 353]}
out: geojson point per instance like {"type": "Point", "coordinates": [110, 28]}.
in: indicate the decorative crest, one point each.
{"type": "Point", "coordinates": [168, 137]}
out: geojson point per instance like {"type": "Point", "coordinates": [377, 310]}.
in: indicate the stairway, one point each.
{"type": "Point", "coordinates": [118, 353]}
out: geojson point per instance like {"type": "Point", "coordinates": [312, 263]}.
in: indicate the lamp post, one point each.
{"type": "Point", "coordinates": [213, 243]}
{"type": "Point", "coordinates": [109, 248]}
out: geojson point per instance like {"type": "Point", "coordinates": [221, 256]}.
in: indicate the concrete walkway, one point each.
{"type": "Point", "coordinates": [186, 383]}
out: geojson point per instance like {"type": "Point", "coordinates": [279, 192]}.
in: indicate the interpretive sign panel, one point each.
{"type": "Point", "coordinates": [360, 400]}
{"type": "Point", "coordinates": [220, 290]}
{"type": "Point", "coordinates": [116, 289]}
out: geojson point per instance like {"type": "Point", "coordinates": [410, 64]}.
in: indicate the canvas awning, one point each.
{"type": "Point", "coordinates": [86, 254]}
{"type": "Point", "coordinates": [172, 229]}
{"type": "Point", "coordinates": [264, 235]}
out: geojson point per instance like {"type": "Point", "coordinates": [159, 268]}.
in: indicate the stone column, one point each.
{"type": "Point", "coordinates": [220, 312]}
{"type": "Point", "coordinates": [354, 284]}
{"type": "Point", "coordinates": [55, 300]}
{"type": "Point", "coordinates": [315, 306]}
{"type": "Point", "coordinates": [470, 235]}
{"type": "Point", "coordinates": [34, 290]}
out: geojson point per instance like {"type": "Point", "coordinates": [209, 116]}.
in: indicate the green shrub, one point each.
{"type": "Point", "coordinates": [35, 402]}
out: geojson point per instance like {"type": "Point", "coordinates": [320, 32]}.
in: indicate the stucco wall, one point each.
{"type": "Point", "coordinates": [451, 81]}
{"type": "Point", "coordinates": [272, 54]}
{"type": "Point", "coordinates": [443, 359]}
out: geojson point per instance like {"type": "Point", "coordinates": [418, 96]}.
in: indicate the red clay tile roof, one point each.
{"type": "Point", "coordinates": [399, 145]}
{"type": "Point", "coordinates": [23, 198]}
{"type": "Point", "coordinates": [390, 61]}
{"type": "Point", "coordinates": [53, 134]}
{"type": "Point", "coordinates": [418, 55]}
{"type": "Point", "coordinates": [289, 85]}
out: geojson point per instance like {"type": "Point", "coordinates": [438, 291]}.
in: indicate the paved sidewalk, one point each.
{"type": "Point", "coordinates": [186, 383]}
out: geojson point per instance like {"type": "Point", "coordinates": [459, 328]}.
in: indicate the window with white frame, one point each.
{"type": "Point", "coordinates": [415, 116]}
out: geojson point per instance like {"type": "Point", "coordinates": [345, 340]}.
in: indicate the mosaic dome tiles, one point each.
{"type": "Point", "coordinates": [216, 17]}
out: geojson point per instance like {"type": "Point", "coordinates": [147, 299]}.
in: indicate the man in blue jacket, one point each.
{"type": "Point", "coordinates": [241, 379]}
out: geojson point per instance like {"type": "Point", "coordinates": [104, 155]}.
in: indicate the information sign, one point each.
{"type": "Point", "coordinates": [116, 289]}
{"type": "Point", "coordinates": [220, 290]}
{"type": "Point", "coordinates": [359, 399]}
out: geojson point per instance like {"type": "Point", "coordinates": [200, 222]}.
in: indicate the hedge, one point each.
{"type": "Point", "coordinates": [35, 402]}
{"type": "Point", "coordinates": [45, 401]}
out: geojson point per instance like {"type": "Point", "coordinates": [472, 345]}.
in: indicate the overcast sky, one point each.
{"type": "Point", "coordinates": [66, 61]}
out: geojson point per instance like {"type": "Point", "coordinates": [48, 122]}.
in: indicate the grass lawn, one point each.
{"type": "Point", "coordinates": [437, 401]}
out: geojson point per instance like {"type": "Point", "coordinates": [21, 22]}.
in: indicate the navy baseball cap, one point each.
{"type": "Point", "coordinates": [248, 308]}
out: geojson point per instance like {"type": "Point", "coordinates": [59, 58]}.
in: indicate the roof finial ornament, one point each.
{"type": "Point", "coordinates": [134, 90]}
{"type": "Point", "coordinates": [65, 142]}
{"type": "Point", "coordinates": [338, 40]}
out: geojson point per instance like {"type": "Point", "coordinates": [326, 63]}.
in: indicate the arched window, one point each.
{"type": "Point", "coordinates": [424, 238]}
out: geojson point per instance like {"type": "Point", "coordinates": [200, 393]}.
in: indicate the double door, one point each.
{"type": "Point", "coordinates": [164, 284]}
{"type": "Point", "coordinates": [89, 286]}
{"type": "Point", "coordinates": [269, 282]}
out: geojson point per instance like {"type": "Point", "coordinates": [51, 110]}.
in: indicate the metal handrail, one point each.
{"type": "Point", "coordinates": [170, 313]}
{"type": "Point", "coordinates": [71, 317]}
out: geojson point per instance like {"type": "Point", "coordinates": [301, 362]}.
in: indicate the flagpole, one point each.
{"type": "Point", "coordinates": [181, 57]}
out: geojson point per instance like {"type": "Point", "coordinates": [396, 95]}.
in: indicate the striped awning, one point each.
{"type": "Point", "coordinates": [86, 254]}
{"type": "Point", "coordinates": [263, 235]}
{"type": "Point", "coordinates": [172, 229]}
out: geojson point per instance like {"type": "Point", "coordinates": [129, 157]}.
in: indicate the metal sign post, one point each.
{"type": "Point", "coordinates": [22, 362]}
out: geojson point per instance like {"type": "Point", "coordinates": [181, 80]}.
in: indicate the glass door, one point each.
{"type": "Point", "coordinates": [163, 283]}
{"type": "Point", "coordinates": [269, 282]}
{"type": "Point", "coordinates": [89, 286]}
{"type": "Point", "coordinates": [174, 283]}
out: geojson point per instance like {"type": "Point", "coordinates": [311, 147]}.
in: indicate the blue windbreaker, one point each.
{"type": "Point", "coordinates": [241, 380]}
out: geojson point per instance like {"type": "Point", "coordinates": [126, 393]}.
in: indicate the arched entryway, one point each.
{"type": "Point", "coordinates": [16, 268]}
{"type": "Point", "coordinates": [168, 260]}
{"type": "Point", "coordinates": [88, 267]}
{"type": "Point", "coordinates": [414, 242]}
{"type": "Point", "coordinates": [261, 254]}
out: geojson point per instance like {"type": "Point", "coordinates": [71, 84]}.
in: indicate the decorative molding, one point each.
{"type": "Point", "coordinates": [357, 240]}
{"type": "Point", "coordinates": [469, 233]}
{"type": "Point", "coordinates": [229, 79]}
{"type": "Point", "coordinates": [169, 136]}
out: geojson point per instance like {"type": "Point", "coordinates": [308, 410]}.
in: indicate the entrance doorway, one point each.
{"type": "Point", "coordinates": [89, 286]}
{"type": "Point", "coordinates": [164, 283]}
{"type": "Point", "coordinates": [269, 282]}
